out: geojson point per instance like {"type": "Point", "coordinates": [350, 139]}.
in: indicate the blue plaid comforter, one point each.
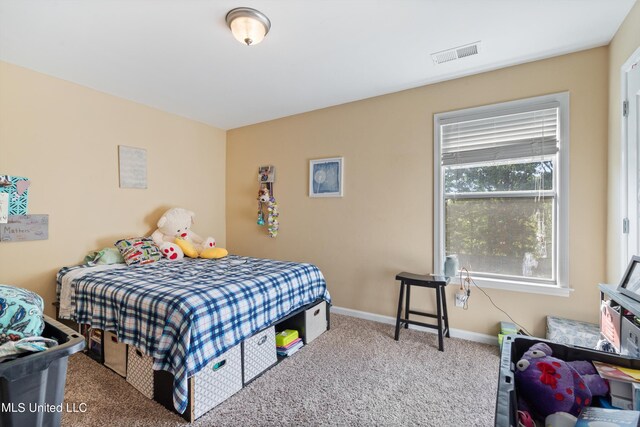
{"type": "Point", "coordinates": [188, 312]}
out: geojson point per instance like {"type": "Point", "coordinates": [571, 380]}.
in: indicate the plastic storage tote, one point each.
{"type": "Point", "coordinates": [32, 386]}
{"type": "Point", "coordinates": [514, 346]}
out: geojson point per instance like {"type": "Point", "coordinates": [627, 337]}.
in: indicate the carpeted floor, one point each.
{"type": "Point", "coordinates": [354, 374]}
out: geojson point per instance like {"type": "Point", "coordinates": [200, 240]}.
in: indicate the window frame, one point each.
{"type": "Point", "coordinates": [561, 186]}
{"type": "Point", "coordinates": [629, 243]}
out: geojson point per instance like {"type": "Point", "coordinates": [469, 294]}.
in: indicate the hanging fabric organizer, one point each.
{"type": "Point", "coordinates": [266, 198]}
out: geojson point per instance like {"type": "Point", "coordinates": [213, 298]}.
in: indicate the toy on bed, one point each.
{"type": "Point", "coordinates": [548, 385]}
{"type": "Point", "coordinates": [176, 240]}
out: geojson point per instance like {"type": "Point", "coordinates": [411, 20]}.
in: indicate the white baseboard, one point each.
{"type": "Point", "coordinates": [455, 333]}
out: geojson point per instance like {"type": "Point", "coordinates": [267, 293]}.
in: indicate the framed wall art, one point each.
{"type": "Point", "coordinates": [266, 174]}
{"type": "Point", "coordinates": [326, 177]}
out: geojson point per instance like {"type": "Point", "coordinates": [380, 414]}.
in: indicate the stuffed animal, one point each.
{"type": "Point", "coordinates": [272, 211]}
{"type": "Point", "coordinates": [263, 195]}
{"type": "Point", "coordinates": [549, 385]}
{"type": "Point", "coordinates": [176, 240]}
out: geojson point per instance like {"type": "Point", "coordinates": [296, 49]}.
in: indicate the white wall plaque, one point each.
{"type": "Point", "coordinates": [22, 228]}
{"type": "Point", "coordinates": [133, 167]}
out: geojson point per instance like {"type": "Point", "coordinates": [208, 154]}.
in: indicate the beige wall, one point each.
{"type": "Point", "coordinates": [625, 42]}
{"type": "Point", "coordinates": [65, 138]}
{"type": "Point", "coordinates": [384, 223]}
{"type": "Point", "coordinates": [59, 133]}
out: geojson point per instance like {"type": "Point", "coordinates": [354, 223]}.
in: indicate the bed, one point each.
{"type": "Point", "coordinates": [186, 313]}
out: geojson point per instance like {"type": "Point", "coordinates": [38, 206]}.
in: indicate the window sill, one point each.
{"type": "Point", "coordinates": [530, 288]}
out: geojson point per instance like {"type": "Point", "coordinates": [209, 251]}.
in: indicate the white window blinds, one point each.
{"type": "Point", "coordinates": [509, 136]}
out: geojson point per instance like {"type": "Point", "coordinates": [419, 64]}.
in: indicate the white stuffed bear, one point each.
{"type": "Point", "coordinates": [175, 238]}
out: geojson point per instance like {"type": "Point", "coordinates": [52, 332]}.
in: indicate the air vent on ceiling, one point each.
{"type": "Point", "coordinates": [456, 53]}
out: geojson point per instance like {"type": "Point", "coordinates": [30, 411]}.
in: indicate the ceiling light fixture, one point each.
{"type": "Point", "coordinates": [248, 25]}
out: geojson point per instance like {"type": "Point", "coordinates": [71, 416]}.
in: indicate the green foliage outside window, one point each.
{"type": "Point", "coordinates": [508, 177]}
{"type": "Point", "coordinates": [494, 234]}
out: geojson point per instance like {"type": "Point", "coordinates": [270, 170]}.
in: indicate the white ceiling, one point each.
{"type": "Point", "coordinates": [179, 56]}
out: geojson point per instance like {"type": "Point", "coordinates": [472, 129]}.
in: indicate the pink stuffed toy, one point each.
{"type": "Point", "coordinates": [549, 385]}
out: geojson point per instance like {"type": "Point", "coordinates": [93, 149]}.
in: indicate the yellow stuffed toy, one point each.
{"type": "Point", "coordinates": [176, 240]}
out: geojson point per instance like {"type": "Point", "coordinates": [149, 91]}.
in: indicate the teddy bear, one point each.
{"type": "Point", "coordinates": [176, 240]}
{"type": "Point", "coordinates": [549, 385]}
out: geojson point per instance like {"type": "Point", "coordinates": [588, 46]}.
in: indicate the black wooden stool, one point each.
{"type": "Point", "coordinates": [425, 281]}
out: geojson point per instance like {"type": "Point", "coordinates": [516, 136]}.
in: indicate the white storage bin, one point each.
{"type": "Point", "coordinates": [140, 371]}
{"type": "Point", "coordinates": [259, 353]}
{"type": "Point", "coordinates": [115, 354]}
{"type": "Point", "coordinates": [218, 381]}
{"type": "Point", "coordinates": [315, 321]}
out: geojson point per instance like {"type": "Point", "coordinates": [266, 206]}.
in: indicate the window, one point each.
{"type": "Point", "coordinates": [501, 179]}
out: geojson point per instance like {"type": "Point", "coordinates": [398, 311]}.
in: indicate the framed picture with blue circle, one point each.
{"type": "Point", "coordinates": [326, 177]}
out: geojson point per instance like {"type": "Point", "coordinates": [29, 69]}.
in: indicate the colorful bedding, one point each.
{"type": "Point", "coordinates": [186, 313]}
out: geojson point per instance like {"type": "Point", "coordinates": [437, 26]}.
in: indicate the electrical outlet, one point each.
{"type": "Point", "coordinates": [460, 299]}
